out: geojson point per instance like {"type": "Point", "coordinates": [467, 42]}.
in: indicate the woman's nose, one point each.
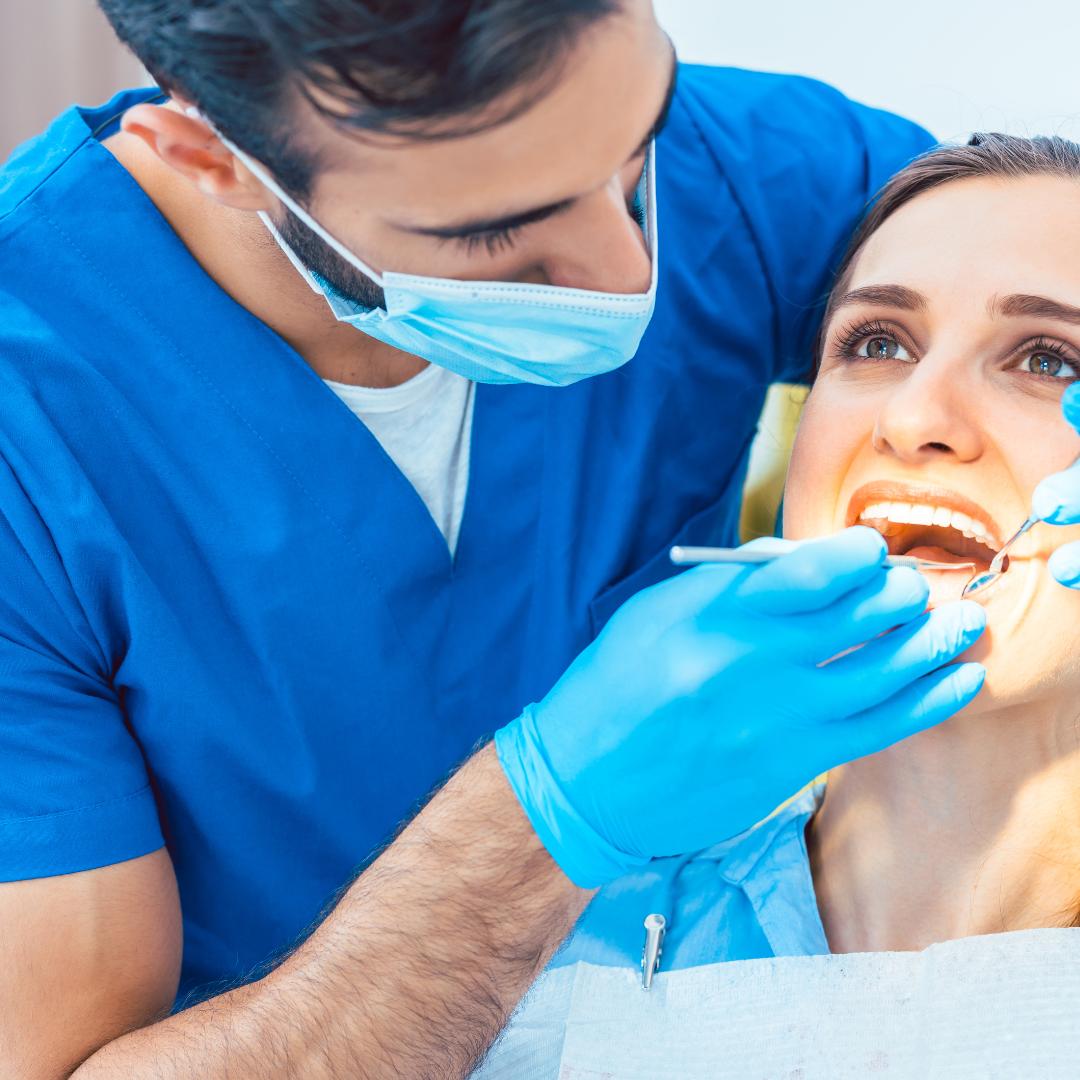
{"type": "Point", "coordinates": [597, 245]}
{"type": "Point", "coordinates": [928, 416]}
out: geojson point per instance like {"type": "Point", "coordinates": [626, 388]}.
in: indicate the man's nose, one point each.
{"type": "Point", "coordinates": [928, 416]}
{"type": "Point", "coordinates": [598, 245]}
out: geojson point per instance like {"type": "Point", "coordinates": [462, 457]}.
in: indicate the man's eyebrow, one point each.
{"type": "Point", "coordinates": [897, 296]}
{"type": "Point", "coordinates": [1021, 306]}
{"type": "Point", "coordinates": [530, 217]}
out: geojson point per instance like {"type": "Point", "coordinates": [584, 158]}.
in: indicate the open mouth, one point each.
{"type": "Point", "coordinates": [929, 523]}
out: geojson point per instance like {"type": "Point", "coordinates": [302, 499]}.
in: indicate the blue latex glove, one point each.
{"type": "Point", "coordinates": [701, 705]}
{"type": "Point", "coordinates": [1057, 500]}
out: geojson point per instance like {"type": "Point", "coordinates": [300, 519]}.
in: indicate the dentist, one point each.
{"type": "Point", "coordinates": [353, 391]}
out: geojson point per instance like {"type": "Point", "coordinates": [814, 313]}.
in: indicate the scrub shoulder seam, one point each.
{"type": "Point", "coordinates": [140, 794]}
{"type": "Point", "coordinates": [42, 181]}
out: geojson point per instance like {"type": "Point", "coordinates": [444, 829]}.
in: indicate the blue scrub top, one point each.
{"type": "Point", "coordinates": [226, 618]}
{"type": "Point", "coordinates": [748, 898]}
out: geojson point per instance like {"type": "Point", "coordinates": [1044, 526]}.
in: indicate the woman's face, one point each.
{"type": "Point", "coordinates": [937, 409]}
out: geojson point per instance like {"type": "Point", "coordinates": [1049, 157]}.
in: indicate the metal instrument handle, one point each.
{"type": "Point", "coordinates": [686, 556]}
{"type": "Point", "coordinates": [650, 954]}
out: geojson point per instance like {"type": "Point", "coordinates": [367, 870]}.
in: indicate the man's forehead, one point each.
{"type": "Point", "coordinates": [572, 140]}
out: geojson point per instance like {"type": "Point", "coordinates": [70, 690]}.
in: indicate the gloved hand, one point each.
{"type": "Point", "coordinates": [1057, 501]}
{"type": "Point", "coordinates": [702, 706]}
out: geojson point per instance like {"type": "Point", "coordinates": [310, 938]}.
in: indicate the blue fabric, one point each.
{"type": "Point", "coordinates": [227, 620]}
{"type": "Point", "coordinates": [748, 898]}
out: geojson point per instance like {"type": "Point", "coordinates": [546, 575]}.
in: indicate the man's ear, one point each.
{"type": "Point", "coordinates": [190, 147]}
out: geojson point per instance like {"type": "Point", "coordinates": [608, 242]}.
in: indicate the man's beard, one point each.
{"type": "Point", "coordinates": [320, 258]}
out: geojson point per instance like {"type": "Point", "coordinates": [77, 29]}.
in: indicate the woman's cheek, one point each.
{"type": "Point", "coordinates": [1029, 616]}
{"type": "Point", "coordinates": [815, 475]}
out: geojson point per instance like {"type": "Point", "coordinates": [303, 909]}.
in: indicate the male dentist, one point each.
{"type": "Point", "coordinates": [352, 392]}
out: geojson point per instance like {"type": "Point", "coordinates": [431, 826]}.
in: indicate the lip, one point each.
{"type": "Point", "coordinates": [898, 491]}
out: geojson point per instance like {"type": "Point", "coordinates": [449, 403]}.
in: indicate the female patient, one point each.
{"type": "Point", "coordinates": [948, 341]}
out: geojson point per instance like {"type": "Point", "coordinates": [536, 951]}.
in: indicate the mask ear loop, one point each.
{"type": "Point", "coordinates": [271, 185]}
{"type": "Point", "coordinates": [303, 271]}
{"type": "Point", "coordinates": [645, 196]}
{"type": "Point", "coordinates": [649, 180]}
{"type": "Point", "coordinates": [640, 207]}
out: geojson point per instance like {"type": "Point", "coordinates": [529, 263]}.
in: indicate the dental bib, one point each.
{"type": "Point", "coordinates": [1001, 1006]}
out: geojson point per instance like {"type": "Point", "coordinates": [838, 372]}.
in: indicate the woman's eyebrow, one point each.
{"type": "Point", "coordinates": [897, 296]}
{"type": "Point", "coordinates": [1019, 306]}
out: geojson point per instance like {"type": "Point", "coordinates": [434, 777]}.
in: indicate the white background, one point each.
{"type": "Point", "coordinates": [955, 66]}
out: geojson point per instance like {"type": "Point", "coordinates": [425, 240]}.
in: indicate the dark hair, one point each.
{"type": "Point", "coordinates": [423, 68]}
{"type": "Point", "coordinates": [1004, 157]}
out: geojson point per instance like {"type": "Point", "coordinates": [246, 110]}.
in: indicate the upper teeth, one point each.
{"type": "Point", "coordinates": [923, 514]}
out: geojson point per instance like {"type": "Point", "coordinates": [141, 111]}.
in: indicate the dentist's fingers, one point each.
{"type": "Point", "coordinates": [897, 597]}
{"type": "Point", "coordinates": [890, 599]}
{"type": "Point", "coordinates": [1070, 405]}
{"type": "Point", "coordinates": [815, 575]}
{"type": "Point", "coordinates": [1057, 498]}
{"type": "Point", "coordinates": [894, 596]}
{"type": "Point", "coordinates": [1064, 564]}
{"type": "Point", "coordinates": [775, 545]}
{"type": "Point", "coordinates": [682, 597]}
{"type": "Point", "coordinates": [926, 702]}
{"type": "Point", "coordinates": [886, 665]}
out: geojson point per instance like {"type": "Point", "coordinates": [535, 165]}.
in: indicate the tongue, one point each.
{"type": "Point", "coordinates": [940, 554]}
{"type": "Point", "coordinates": [945, 585]}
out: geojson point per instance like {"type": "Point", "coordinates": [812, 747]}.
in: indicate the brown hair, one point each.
{"type": "Point", "coordinates": [1003, 157]}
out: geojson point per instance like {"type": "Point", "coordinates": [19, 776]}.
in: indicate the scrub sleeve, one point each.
{"type": "Point", "coordinates": [76, 794]}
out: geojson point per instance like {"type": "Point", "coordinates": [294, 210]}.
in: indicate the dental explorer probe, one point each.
{"type": "Point", "coordinates": [686, 556]}
{"type": "Point", "coordinates": [997, 567]}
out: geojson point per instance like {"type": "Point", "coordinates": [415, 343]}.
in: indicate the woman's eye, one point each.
{"type": "Point", "coordinates": [882, 348]}
{"type": "Point", "coordinates": [1048, 364]}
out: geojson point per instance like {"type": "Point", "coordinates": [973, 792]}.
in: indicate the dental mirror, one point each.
{"type": "Point", "coordinates": [987, 578]}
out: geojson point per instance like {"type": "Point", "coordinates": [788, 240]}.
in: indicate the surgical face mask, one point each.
{"type": "Point", "coordinates": [491, 331]}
